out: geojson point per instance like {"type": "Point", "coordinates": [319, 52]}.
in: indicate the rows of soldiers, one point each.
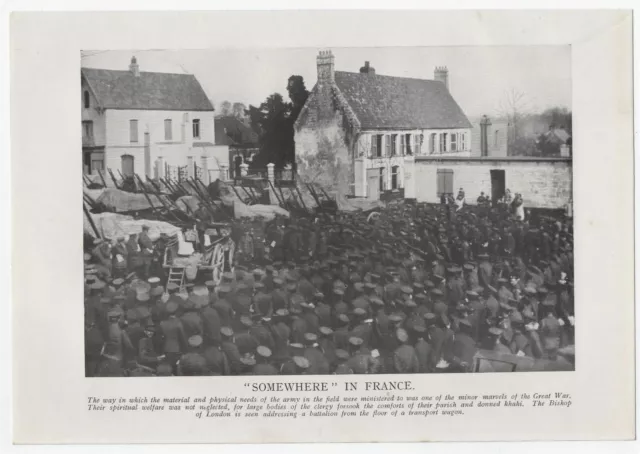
{"type": "Point", "coordinates": [414, 288]}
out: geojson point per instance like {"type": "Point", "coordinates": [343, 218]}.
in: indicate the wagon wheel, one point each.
{"type": "Point", "coordinates": [217, 263]}
{"type": "Point", "coordinates": [230, 266]}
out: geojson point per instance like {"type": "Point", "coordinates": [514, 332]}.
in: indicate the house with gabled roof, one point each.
{"type": "Point", "coordinates": [148, 123]}
{"type": "Point", "coordinates": [357, 130]}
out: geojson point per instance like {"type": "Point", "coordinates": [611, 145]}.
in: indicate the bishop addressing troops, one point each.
{"type": "Point", "coordinates": [416, 289]}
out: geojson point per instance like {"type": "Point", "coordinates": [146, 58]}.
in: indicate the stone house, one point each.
{"type": "Point", "coordinates": [357, 130]}
{"type": "Point", "coordinates": [147, 122]}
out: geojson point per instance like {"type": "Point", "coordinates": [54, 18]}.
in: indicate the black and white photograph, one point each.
{"type": "Point", "coordinates": [318, 211]}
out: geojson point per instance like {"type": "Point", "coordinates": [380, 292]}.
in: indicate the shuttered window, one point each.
{"type": "Point", "coordinates": [387, 145]}
{"type": "Point", "coordinates": [133, 131]}
{"type": "Point", "coordinates": [168, 130]}
{"type": "Point", "coordinates": [432, 142]}
{"type": "Point", "coordinates": [394, 177]}
{"type": "Point", "coordinates": [454, 141]}
{"type": "Point", "coordinates": [445, 181]}
{"type": "Point", "coordinates": [376, 146]}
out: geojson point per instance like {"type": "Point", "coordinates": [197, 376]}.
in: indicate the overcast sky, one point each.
{"type": "Point", "coordinates": [478, 76]}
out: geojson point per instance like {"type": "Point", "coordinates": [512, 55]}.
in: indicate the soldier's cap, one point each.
{"type": "Point", "coordinates": [310, 337]}
{"type": "Point", "coordinates": [112, 314]}
{"type": "Point", "coordinates": [290, 277]}
{"type": "Point", "coordinates": [359, 311]}
{"type": "Point", "coordinates": [87, 257]}
{"type": "Point", "coordinates": [358, 286]}
{"type": "Point", "coordinates": [98, 285]}
{"type": "Point", "coordinates": [142, 297]}
{"type": "Point", "coordinates": [355, 340]}
{"type": "Point", "coordinates": [342, 354]}
{"type": "Point", "coordinates": [543, 290]}
{"type": "Point", "coordinates": [118, 282]}
{"type": "Point", "coordinates": [106, 300]}
{"type": "Point", "coordinates": [468, 266]}
{"type": "Point", "coordinates": [294, 310]}
{"type": "Point", "coordinates": [420, 297]}
{"type": "Point", "coordinates": [528, 314]}
{"type": "Point", "coordinates": [461, 307]}
{"type": "Point", "coordinates": [150, 328]}
{"type": "Point", "coordinates": [291, 286]}
{"type": "Point", "coordinates": [419, 328]}
{"type": "Point", "coordinates": [224, 289]}
{"type": "Point", "coordinates": [143, 313]}
{"type": "Point", "coordinates": [157, 291]}
{"type": "Point", "coordinates": [263, 351]}
{"type": "Point", "coordinates": [269, 268]}
{"type": "Point", "coordinates": [246, 321]}
{"type": "Point", "coordinates": [437, 292]}
{"type": "Point", "coordinates": [172, 286]}
{"type": "Point", "coordinates": [465, 322]}
{"type": "Point", "coordinates": [98, 241]}
{"type": "Point", "coordinates": [506, 306]}
{"type": "Point", "coordinates": [406, 289]}
{"type": "Point", "coordinates": [409, 303]}
{"type": "Point", "coordinates": [495, 331]}
{"type": "Point", "coordinates": [438, 277]}
{"type": "Point", "coordinates": [171, 307]}
{"type": "Point", "coordinates": [338, 291]}
{"type": "Point", "coordinates": [395, 318]}
{"type": "Point", "coordinates": [278, 281]}
{"type": "Point", "coordinates": [248, 360]}
{"type": "Point", "coordinates": [483, 256]}
{"type": "Point", "coordinates": [530, 290]}
{"type": "Point", "coordinates": [374, 276]}
{"type": "Point", "coordinates": [402, 335]}
{"type": "Point", "coordinates": [258, 286]}
{"type": "Point", "coordinates": [439, 257]}
{"type": "Point", "coordinates": [296, 345]}
{"type": "Point", "coordinates": [418, 287]}
{"type": "Point", "coordinates": [259, 271]}
{"type": "Point", "coordinates": [195, 341]}
{"type": "Point", "coordinates": [377, 301]}
{"type": "Point", "coordinates": [153, 280]}
{"type": "Point", "coordinates": [429, 284]}
{"type": "Point", "coordinates": [306, 305]}
{"type": "Point", "coordinates": [549, 303]}
{"type": "Point", "coordinates": [536, 270]}
{"type": "Point", "coordinates": [325, 330]}
{"type": "Point", "coordinates": [472, 294]}
{"type": "Point", "coordinates": [301, 362]}
{"type": "Point", "coordinates": [226, 331]}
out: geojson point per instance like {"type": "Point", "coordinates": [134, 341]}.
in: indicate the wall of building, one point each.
{"type": "Point", "coordinates": [543, 182]}
{"type": "Point", "coordinates": [93, 114]}
{"type": "Point", "coordinates": [497, 139]}
{"type": "Point", "coordinates": [321, 150]}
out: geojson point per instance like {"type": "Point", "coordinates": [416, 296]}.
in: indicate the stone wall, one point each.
{"type": "Point", "coordinates": [543, 183]}
{"type": "Point", "coordinates": [322, 153]}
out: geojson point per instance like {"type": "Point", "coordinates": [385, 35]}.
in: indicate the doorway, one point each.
{"type": "Point", "coordinates": [497, 185]}
{"type": "Point", "coordinates": [373, 184]}
{"type": "Point", "coordinates": [127, 165]}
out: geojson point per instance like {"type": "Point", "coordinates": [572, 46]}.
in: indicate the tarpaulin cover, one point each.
{"type": "Point", "coordinates": [113, 225]}
{"type": "Point", "coordinates": [121, 201]}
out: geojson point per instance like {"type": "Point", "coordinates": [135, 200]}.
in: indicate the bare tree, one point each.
{"type": "Point", "coordinates": [238, 110]}
{"type": "Point", "coordinates": [225, 108]}
{"type": "Point", "coordinates": [513, 106]}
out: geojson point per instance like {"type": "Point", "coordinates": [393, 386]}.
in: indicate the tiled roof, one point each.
{"type": "Point", "coordinates": [150, 91]}
{"type": "Point", "coordinates": [232, 131]}
{"type": "Point", "coordinates": [385, 102]}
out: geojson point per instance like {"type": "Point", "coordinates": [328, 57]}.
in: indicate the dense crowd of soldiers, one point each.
{"type": "Point", "coordinates": [413, 288]}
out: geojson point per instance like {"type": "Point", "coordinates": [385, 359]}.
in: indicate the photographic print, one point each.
{"type": "Point", "coordinates": [312, 211]}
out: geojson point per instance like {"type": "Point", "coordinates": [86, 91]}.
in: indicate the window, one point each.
{"type": "Point", "coordinates": [432, 143]}
{"type": "Point", "coordinates": [417, 146]}
{"type": "Point", "coordinates": [376, 146]}
{"type": "Point", "coordinates": [87, 100]}
{"type": "Point", "coordinates": [495, 138]}
{"type": "Point", "coordinates": [133, 131]}
{"type": "Point", "coordinates": [87, 131]}
{"type": "Point", "coordinates": [463, 141]}
{"type": "Point", "coordinates": [445, 182]}
{"type": "Point", "coordinates": [454, 141]}
{"type": "Point", "coordinates": [443, 142]}
{"type": "Point", "coordinates": [382, 185]}
{"type": "Point", "coordinates": [196, 128]}
{"type": "Point", "coordinates": [403, 145]}
{"type": "Point", "coordinates": [168, 130]}
{"type": "Point", "coordinates": [394, 177]}
{"type": "Point", "coordinates": [387, 145]}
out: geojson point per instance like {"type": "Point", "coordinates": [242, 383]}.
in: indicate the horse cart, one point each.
{"type": "Point", "coordinates": [199, 254]}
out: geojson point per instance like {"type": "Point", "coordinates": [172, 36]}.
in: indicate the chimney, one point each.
{"type": "Point", "coordinates": [441, 74]}
{"type": "Point", "coordinates": [366, 69]}
{"type": "Point", "coordinates": [325, 67]}
{"type": "Point", "coordinates": [134, 68]}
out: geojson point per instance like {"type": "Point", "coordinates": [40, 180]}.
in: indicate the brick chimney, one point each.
{"type": "Point", "coordinates": [325, 67]}
{"type": "Point", "coordinates": [134, 68]}
{"type": "Point", "coordinates": [366, 69]}
{"type": "Point", "coordinates": [441, 74]}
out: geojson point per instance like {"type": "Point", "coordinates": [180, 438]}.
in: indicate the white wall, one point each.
{"type": "Point", "coordinates": [542, 183]}
{"type": "Point", "coordinates": [92, 114]}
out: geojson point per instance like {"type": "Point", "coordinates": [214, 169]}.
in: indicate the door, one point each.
{"type": "Point", "coordinates": [497, 185]}
{"type": "Point", "coordinates": [127, 165]}
{"type": "Point", "coordinates": [236, 166]}
{"type": "Point", "coordinates": [373, 184]}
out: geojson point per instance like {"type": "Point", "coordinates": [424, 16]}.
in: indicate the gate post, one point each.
{"type": "Point", "coordinates": [244, 169]}
{"type": "Point", "coordinates": [223, 172]}
{"type": "Point", "coordinates": [271, 173]}
{"type": "Point", "coordinates": [190, 167]}
{"type": "Point", "coordinates": [206, 179]}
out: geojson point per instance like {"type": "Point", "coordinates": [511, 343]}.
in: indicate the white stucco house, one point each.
{"type": "Point", "coordinates": [357, 129]}
{"type": "Point", "coordinates": [147, 123]}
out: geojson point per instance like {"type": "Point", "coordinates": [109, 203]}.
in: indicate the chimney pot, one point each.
{"type": "Point", "coordinates": [441, 74]}
{"type": "Point", "coordinates": [133, 67]}
{"type": "Point", "coordinates": [325, 63]}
